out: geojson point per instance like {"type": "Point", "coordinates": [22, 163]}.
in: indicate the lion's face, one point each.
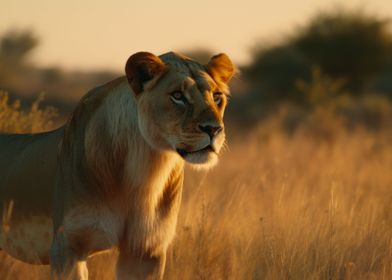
{"type": "Point", "coordinates": [181, 106]}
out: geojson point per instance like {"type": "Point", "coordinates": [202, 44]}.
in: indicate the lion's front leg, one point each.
{"type": "Point", "coordinates": [75, 271]}
{"type": "Point", "coordinates": [132, 266]}
{"type": "Point", "coordinates": [66, 263]}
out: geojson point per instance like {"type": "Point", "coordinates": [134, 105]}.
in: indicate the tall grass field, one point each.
{"type": "Point", "coordinates": [299, 205]}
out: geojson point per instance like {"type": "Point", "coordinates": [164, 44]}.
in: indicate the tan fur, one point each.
{"type": "Point", "coordinates": [112, 176]}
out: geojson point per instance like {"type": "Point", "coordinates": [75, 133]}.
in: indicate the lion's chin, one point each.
{"type": "Point", "coordinates": [202, 160]}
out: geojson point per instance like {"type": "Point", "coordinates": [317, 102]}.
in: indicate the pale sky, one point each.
{"type": "Point", "coordinates": [90, 34]}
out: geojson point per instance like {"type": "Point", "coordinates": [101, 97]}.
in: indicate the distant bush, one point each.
{"type": "Point", "coordinates": [15, 119]}
{"type": "Point", "coordinates": [349, 46]}
{"type": "Point", "coordinates": [328, 109]}
{"type": "Point", "coordinates": [15, 46]}
{"type": "Point", "coordinates": [274, 72]}
{"type": "Point", "coordinates": [21, 77]}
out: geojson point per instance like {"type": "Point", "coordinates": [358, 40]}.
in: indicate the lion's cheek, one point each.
{"type": "Point", "coordinates": [152, 134]}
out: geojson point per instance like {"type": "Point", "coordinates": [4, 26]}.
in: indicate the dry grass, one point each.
{"type": "Point", "coordinates": [280, 207]}
{"type": "Point", "coordinates": [14, 119]}
{"type": "Point", "coordinates": [290, 208]}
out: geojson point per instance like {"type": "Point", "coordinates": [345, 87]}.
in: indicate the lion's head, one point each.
{"type": "Point", "coordinates": [181, 103]}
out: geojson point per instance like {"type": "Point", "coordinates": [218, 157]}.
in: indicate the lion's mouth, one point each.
{"type": "Point", "coordinates": [185, 153]}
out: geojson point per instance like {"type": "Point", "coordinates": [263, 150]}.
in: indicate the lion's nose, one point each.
{"type": "Point", "coordinates": [211, 130]}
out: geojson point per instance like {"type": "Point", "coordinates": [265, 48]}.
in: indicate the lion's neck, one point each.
{"type": "Point", "coordinates": [130, 159]}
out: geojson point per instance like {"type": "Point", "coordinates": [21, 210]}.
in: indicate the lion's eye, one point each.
{"type": "Point", "coordinates": [177, 97]}
{"type": "Point", "coordinates": [218, 98]}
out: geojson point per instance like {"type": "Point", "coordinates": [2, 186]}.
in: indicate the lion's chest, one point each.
{"type": "Point", "coordinates": [153, 205]}
{"type": "Point", "coordinates": [140, 213]}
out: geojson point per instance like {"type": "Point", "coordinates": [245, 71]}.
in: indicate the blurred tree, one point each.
{"type": "Point", "coordinates": [349, 46]}
{"type": "Point", "coordinates": [16, 45]}
{"type": "Point", "coordinates": [274, 71]}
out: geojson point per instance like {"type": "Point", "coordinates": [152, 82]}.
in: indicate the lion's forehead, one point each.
{"type": "Point", "coordinates": [191, 69]}
{"type": "Point", "coordinates": [182, 63]}
{"type": "Point", "coordinates": [188, 67]}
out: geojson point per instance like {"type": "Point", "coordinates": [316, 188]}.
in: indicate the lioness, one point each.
{"type": "Point", "coordinates": [112, 175]}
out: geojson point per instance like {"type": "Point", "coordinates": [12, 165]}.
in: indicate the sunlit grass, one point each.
{"type": "Point", "coordinates": [290, 208]}
{"type": "Point", "coordinates": [280, 207]}
{"type": "Point", "coordinates": [13, 118]}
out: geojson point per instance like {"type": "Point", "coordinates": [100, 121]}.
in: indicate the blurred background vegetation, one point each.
{"type": "Point", "coordinates": [339, 62]}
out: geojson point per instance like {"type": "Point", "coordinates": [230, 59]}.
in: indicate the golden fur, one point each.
{"type": "Point", "coordinates": [112, 176]}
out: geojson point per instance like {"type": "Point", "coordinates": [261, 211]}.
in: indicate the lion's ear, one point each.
{"type": "Point", "coordinates": [221, 68]}
{"type": "Point", "coordinates": [141, 68]}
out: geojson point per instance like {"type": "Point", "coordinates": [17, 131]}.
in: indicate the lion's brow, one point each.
{"type": "Point", "coordinates": [198, 73]}
{"type": "Point", "coordinates": [204, 83]}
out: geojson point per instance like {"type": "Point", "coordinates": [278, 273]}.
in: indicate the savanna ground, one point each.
{"type": "Point", "coordinates": [314, 203]}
